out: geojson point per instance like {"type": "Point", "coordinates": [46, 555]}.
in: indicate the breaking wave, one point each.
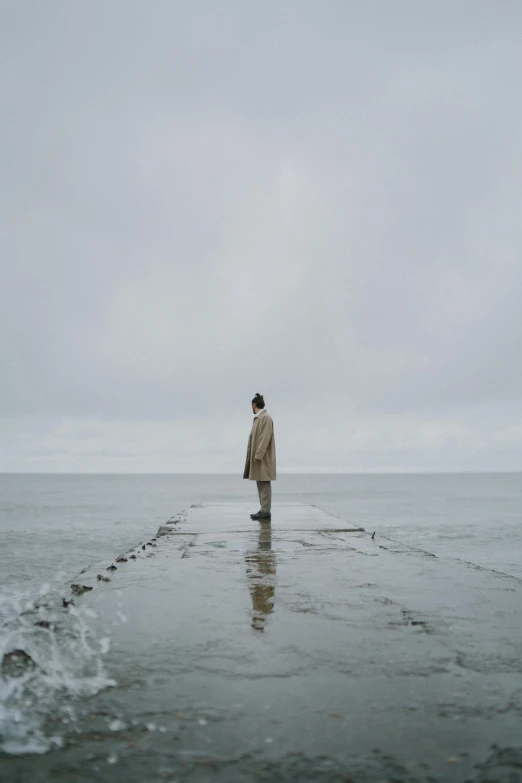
{"type": "Point", "coordinates": [50, 656]}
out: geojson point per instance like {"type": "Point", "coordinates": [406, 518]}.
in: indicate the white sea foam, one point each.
{"type": "Point", "coordinates": [63, 662]}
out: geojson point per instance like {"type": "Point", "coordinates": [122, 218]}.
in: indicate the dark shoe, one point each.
{"type": "Point", "coordinates": [255, 516]}
{"type": "Point", "coordinates": [264, 516]}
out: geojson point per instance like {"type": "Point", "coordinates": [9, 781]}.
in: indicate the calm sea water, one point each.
{"type": "Point", "coordinates": [53, 524]}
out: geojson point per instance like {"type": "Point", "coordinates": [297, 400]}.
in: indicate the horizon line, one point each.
{"type": "Point", "coordinates": [281, 473]}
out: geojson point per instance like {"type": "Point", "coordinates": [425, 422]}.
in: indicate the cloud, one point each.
{"type": "Point", "coordinates": [320, 204]}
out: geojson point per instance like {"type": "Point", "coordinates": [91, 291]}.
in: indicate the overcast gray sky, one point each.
{"type": "Point", "coordinates": [319, 201]}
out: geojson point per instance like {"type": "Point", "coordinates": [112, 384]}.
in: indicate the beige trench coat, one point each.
{"type": "Point", "coordinates": [261, 445]}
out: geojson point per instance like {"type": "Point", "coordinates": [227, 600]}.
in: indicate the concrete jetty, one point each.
{"type": "Point", "coordinates": [300, 650]}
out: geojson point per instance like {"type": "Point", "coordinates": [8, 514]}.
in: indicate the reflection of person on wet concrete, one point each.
{"type": "Point", "coordinates": [260, 462]}
{"type": "Point", "coordinates": [261, 565]}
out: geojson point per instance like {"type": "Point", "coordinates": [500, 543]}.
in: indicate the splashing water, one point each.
{"type": "Point", "coordinates": [49, 656]}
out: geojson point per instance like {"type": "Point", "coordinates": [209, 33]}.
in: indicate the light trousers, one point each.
{"type": "Point", "coordinates": [264, 489]}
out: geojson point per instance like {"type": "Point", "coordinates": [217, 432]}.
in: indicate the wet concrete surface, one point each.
{"type": "Point", "coordinates": [297, 650]}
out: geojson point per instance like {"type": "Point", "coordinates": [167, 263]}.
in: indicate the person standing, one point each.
{"type": "Point", "coordinates": [260, 465]}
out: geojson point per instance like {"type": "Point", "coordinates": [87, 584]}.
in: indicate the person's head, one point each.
{"type": "Point", "coordinates": [258, 403]}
